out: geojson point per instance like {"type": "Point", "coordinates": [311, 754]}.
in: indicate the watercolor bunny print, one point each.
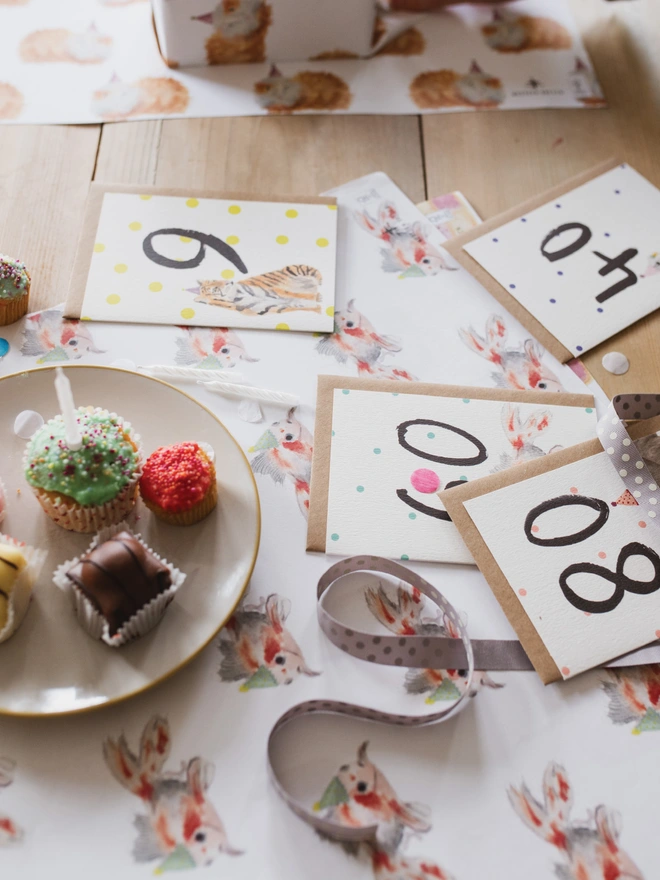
{"type": "Point", "coordinates": [306, 90]}
{"type": "Point", "coordinates": [284, 452]}
{"type": "Point", "coordinates": [404, 246]}
{"type": "Point", "coordinates": [356, 340]}
{"type": "Point", "coordinates": [59, 44]}
{"type": "Point", "coordinates": [401, 610]}
{"type": "Point", "coordinates": [590, 849]}
{"type": "Point", "coordinates": [360, 795]}
{"type": "Point", "coordinates": [653, 267]}
{"type": "Point", "coordinates": [634, 696]}
{"type": "Point", "coordinates": [510, 32]}
{"type": "Point", "coordinates": [258, 649]}
{"type": "Point", "coordinates": [514, 368]}
{"type": "Point", "coordinates": [9, 830]}
{"type": "Point", "coordinates": [522, 434]}
{"type": "Point", "coordinates": [181, 825]}
{"type": "Point", "coordinates": [148, 96]}
{"type": "Point", "coordinates": [50, 338]}
{"type": "Point", "coordinates": [211, 349]}
{"type": "Point", "coordinates": [446, 88]}
{"type": "Point", "coordinates": [239, 31]}
{"type": "Point", "coordinates": [11, 101]}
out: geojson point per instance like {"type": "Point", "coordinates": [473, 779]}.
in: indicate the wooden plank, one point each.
{"type": "Point", "coordinates": [44, 176]}
{"type": "Point", "coordinates": [500, 159]}
{"type": "Point", "coordinates": [128, 152]}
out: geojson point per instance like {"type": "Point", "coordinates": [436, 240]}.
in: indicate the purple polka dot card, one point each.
{"type": "Point", "coordinates": [384, 450]}
{"type": "Point", "coordinates": [578, 264]}
{"type": "Point", "coordinates": [570, 551]}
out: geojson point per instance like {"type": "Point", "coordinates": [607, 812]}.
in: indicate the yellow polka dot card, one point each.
{"type": "Point", "coordinates": [163, 256]}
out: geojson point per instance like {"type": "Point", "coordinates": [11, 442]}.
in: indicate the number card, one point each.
{"type": "Point", "coordinates": [383, 451]}
{"type": "Point", "coordinates": [576, 265]}
{"type": "Point", "coordinates": [570, 554]}
{"type": "Point", "coordinates": [187, 257]}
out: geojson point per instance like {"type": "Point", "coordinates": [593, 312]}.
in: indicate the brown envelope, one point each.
{"type": "Point", "coordinates": [318, 506]}
{"type": "Point", "coordinates": [453, 500]}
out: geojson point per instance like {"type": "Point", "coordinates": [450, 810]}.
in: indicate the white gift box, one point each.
{"type": "Point", "coordinates": [198, 32]}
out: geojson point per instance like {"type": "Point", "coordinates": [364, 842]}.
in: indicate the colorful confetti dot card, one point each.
{"type": "Point", "coordinates": [164, 256]}
{"type": "Point", "coordinates": [579, 263]}
{"type": "Point", "coordinates": [569, 552]}
{"type": "Point", "coordinates": [383, 451]}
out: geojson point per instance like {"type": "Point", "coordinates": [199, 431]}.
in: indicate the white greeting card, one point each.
{"type": "Point", "coordinates": [391, 453]}
{"type": "Point", "coordinates": [584, 264]}
{"type": "Point", "coordinates": [177, 258]}
{"type": "Point", "coordinates": [580, 558]}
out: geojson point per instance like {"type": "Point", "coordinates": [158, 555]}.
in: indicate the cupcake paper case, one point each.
{"type": "Point", "coordinates": [92, 620]}
{"type": "Point", "coordinates": [16, 583]}
{"type": "Point", "coordinates": [94, 487]}
{"type": "Point", "coordinates": [14, 290]}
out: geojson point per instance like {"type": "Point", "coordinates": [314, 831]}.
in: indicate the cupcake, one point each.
{"type": "Point", "coordinates": [178, 483]}
{"type": "Point", "coordinates": [19, 569]}
{"type": "Point", "coordinates": [120, 588]}
{"type": "Point", "coordinates": [14, 290]}
{"type": "Point", "coordinates": [93, 487]}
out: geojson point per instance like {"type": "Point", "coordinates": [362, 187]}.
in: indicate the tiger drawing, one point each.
{"type": "Point", "coordinates": [291, 289]}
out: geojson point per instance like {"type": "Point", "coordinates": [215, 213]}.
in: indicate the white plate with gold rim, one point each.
{"type": "Point", "coordinates": [50, 666]}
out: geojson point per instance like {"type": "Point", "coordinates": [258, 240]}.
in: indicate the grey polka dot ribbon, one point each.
{"type": "Point", "coordinates": [625, 456]}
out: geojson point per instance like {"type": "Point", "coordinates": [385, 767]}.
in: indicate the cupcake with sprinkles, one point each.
{"type": "Point", "coordinates": [179, 484]}
{"type": "Point", "coordinates": [14, 290]}
{"type": "Point", "coordinates": [86, 488]}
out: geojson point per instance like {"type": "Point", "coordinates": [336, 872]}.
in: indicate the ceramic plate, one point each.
{"type": "Point", "coordinates": [51, 666]}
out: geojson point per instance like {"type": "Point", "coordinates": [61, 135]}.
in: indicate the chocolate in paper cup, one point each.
{"type": "Point", "coordinates": [21, 594]}
{"type": "Point", "coordinates": [143, 621]}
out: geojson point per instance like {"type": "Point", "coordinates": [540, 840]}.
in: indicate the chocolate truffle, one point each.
{"type": "Point", "coordinates": [119, 577]}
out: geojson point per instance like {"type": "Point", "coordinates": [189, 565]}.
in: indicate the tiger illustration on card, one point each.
{"type": "Point", "coordinates": [306, 90]}
{"type": "Point", "coordinates": [11, 101]}
{"type": "Point", "coordinates": [239, 31]}
{"type": "Point", "coordinates": [447, 88]}
{"type": "Point", "coordinates": [291, 289]}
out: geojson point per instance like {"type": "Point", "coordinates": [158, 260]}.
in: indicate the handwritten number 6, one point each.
{"type": "Point", "coordinates": [202, 238]}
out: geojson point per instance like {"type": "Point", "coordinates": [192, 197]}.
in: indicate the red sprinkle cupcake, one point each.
{"type": "Point", "coordinates": [178, 483]}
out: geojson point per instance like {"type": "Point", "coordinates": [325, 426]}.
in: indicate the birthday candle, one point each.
{"type": "Point", "coordinates": [68, 410]}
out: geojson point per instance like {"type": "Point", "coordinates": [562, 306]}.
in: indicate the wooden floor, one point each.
{"type": "Point", "coordinates": [496, 159]}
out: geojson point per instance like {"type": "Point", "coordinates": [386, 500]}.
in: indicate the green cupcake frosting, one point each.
{"type": "Point", "coordinates": [97, 472]}
{"type": "Point", "coordinates": [14, 278]}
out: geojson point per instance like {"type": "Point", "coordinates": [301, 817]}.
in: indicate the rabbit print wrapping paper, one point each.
{"type": "Point", "coordinates": [86, 61]}
{"type": "Point", "coordinates": [443, 798]}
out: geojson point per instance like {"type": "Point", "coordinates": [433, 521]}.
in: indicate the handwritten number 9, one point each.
{"type": "Point", "coordinates": [202, 238]}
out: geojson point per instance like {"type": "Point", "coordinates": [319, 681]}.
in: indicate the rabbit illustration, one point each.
{"type": "Point", "coordinates": [356, 340]}
{"type": "Point", "coordinates": [50, 338]}
{"type": "Point", "coordinates": [515, 368]}
{"type": "Point", "coordinates": [11, 101]}
{"type": "Point", "coordinates": [590, 850]}
{"type": "Point", "coordinates": [181, 825]}
{"type": "Point", "coordinates": [653, 267]}
{"type": "Point", "coordinates": [446, 88]}
{"type": "Point", "coordinates": [147, 96]}
{"type": "Point", "coordinates": [9, 830]}
{"type": "Point", "coordinates": [59, 44]}
{"type": "Point", "coordinates": [511, 32]}
{"type": "Point", "coordinates": [402, 614]}
{"type": "Point", "coordinates": [284, 452]}
{"type": "Point", "coordinates": [522, 434]}
{"type": "Point", "coordinates": [306, 90]}
{"type": "Point", "coordinates": [211, 349]}
{"type": "Point", "coordinates": [634, 696]}
{"type": "Point", "coordinates": [239, 31]}
{"type": "Point", "coordinates": [258, 650]}
{"type": "Point", "coordinates": [404, 246]}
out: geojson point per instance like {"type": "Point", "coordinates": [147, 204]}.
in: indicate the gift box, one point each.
{"type": "Point", "coordinates": [200, 32]}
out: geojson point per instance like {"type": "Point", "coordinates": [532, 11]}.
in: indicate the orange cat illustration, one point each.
{"type": "Point", "coordinates": [59, 44]}
{"type": "Point", "coordinates": [510, 32]}
{"type": "Point", "coordinates": [11, 101]}
{"type": "Point", "coordinates": [151, 95]}
{"type": "Point", "coordinates": [409, 42]}
{"type": "Point", "coordinates": [306, 90]}
{"type": "Point", "coordinates": [239, 31]}
{"type": "Point", "coordinates": [446, 88]}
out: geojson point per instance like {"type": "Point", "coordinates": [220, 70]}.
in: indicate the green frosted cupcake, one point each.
{"type": "Point", "coordinates": [90, 488]}
{"type": "Point", "coordinates": [14, 290]}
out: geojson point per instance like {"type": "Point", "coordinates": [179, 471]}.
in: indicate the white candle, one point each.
{"type": "Point", "coordinates": [190, 374]}
{"type": "Point", "coordinates": [247, 392]}
{"type": "Point", "coordinates": [68, 410]}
